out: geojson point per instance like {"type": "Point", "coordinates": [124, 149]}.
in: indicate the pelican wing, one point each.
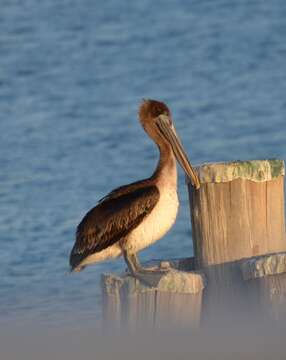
{"type": "Point", "coordinates": [125, 189]}
{"type": "Point", "coordinates": [111, 220]}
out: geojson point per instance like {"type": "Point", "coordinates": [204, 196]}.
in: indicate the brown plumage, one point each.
{"type": "Point", "coordinates": [113, 218]}
{"type": "Point", "coordinates": [134, 216]}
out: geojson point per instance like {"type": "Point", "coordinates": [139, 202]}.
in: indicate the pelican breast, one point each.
{"type": "Point", "coordinates": [157, 223]}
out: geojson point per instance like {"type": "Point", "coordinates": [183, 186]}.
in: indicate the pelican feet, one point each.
{"type": "Point", "coordinates": [148, 275]}
{"type": "Point", "coordinates": [162, 268]}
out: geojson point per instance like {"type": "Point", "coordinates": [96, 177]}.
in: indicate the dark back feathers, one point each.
{"type": "Point", "coordinates": [113, 218]}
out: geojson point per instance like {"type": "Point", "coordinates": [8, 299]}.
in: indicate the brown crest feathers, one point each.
{"type": "Point", "coordinates": [152, 109]}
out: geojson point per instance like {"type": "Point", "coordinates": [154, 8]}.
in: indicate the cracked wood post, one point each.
{"type": "Point", "coordinates": [238, 213]}
{"type": "Point", "coordinates": [175, 298]}
{"type": "Point", "coordinates": [267, 275]}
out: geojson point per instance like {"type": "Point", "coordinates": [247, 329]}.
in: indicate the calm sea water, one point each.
{"type": "Point", "coordinates": [72, 74]}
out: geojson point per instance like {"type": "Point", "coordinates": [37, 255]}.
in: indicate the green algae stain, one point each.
{"type": "Point", "coordinates": [277, 167]}
{"type": "Point", "coordinates": [254, 170]}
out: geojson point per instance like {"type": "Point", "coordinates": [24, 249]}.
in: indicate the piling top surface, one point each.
{"type": "Point", "coordinates": [254, 170]}
{"type": "Point", "coordinates": [261, 266]}
{"type": "Point", "coordinates": [178, 279]}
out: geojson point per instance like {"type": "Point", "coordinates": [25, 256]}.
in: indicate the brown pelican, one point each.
{"type": "Point", "coordinates": [134, 216]}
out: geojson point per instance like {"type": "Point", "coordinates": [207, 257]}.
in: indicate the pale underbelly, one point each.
{"type": "Point", "coordinates": [111, 252]}
{"type": "Point", "coordinates": [155, 225]}
{"type": "Point", "coordinates": [151, 229]}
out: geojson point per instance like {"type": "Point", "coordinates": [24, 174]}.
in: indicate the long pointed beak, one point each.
{"type": "Point", "coordinates": [171, 136]}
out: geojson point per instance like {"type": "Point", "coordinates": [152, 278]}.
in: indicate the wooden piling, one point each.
{"type": "Point", "coordinates": [239, 261]}
{"type": "Point", "coordinates": [238, 211]}
{"type": "Point", "coordinates": [267, 276]}
{"type": "Point", "coordinates": [175, 298]}
{"type": "Point", "coordinates": [237, 214]}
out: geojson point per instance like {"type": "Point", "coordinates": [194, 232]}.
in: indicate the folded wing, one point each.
{"type": "Point", "coordinates": [111, 220]}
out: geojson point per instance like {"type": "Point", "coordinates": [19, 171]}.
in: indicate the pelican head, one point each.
{"type": "Point", "coordinates": [156, 120]}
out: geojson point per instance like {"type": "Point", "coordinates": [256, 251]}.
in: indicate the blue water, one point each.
{"type": "Point", "coordinates": [72, 74]}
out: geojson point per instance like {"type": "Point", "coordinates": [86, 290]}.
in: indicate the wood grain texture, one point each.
{"type": "Point", "coordinates": [176, 300]}
{"type": "Point", "coordinates": [266, 275]}
{"type": "Point", "coordinates": [239, 268]}
{"type": "Point", "coordinates": [237, 219]}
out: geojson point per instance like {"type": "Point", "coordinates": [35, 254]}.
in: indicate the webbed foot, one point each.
{"type": "Point", "coordinates": [149, 275]}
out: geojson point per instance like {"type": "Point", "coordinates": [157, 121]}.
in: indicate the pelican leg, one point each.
{"type": "Point", "coordinates": [149, 276]}
{"type": "Point", "coordinates": [131, 262]}
{"type": "Point", "coordinates": [135, 267]}
{"type": "Point", "coordinates": [142, 269]}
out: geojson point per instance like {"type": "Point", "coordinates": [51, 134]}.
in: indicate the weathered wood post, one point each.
{"type": "Point", "coordinates": [174, 298]}
{"type": "Point", "coordinates": [239, 211]}
{"type": "Point", "coordinates": [239, 262]}
{"type": "Point", "coordinates": [266, 277]}
{"type": "Point", "coordinates": [237, 214]}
